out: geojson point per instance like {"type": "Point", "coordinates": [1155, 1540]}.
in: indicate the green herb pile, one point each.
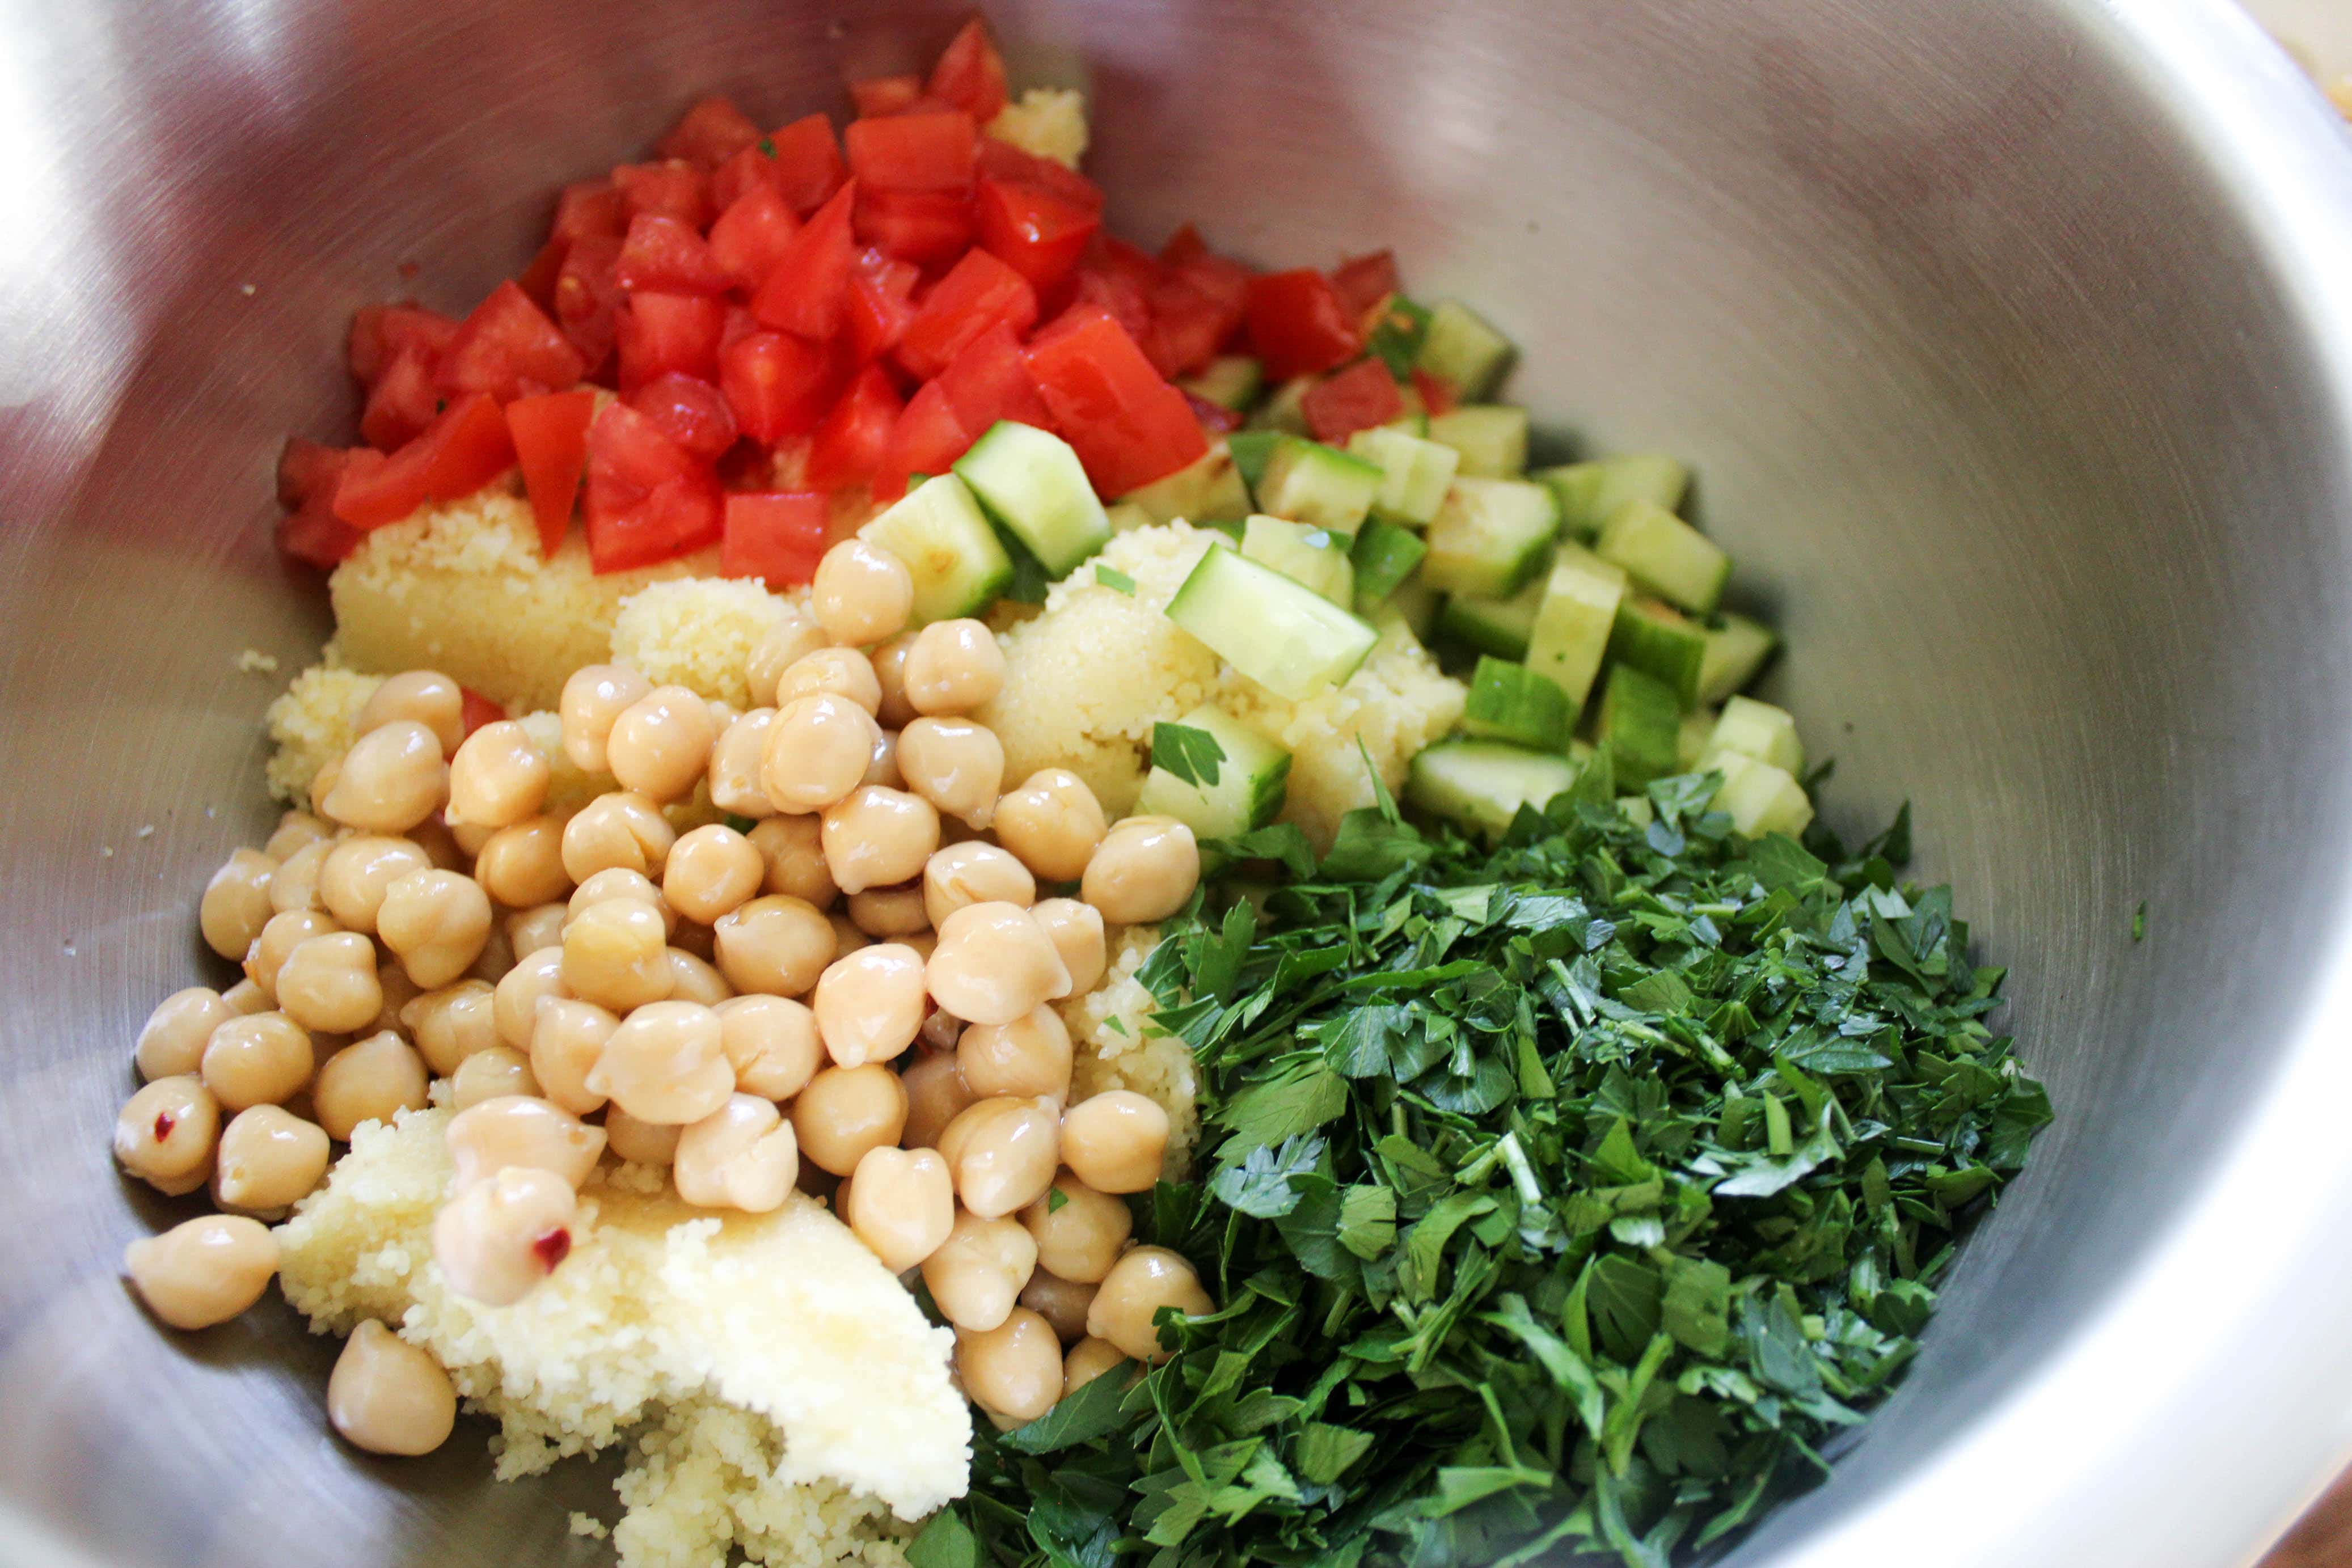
{"type": "Point", "coordinates": [1560, 1195]}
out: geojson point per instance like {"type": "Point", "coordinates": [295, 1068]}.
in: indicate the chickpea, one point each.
{"type": "Point", "coordinates": [1079, 1237]}
{"type": "Point", "coordinates": [1063, 1304]}
{"type": "Point", "coordinates": [371, 1079]}
{"type": "Point", "coordinates": [294, 830]}
{"type": "Point", "coordinates": [1030, 1056]}
{"type": "Point", "coordinates": [742, 1156]}
{"type": "Point", "coordinates": [388, 1396]}
{"type": "Point", "coordinates": [660, 744]}
{"type": "Point", "coordinates": [694, 980]}
{"type": "Point", "coordinates": [566, 1037]}
{"type": "Point", "coordinates": [890, 675]}
{"type": "Point", "coordinates": [954, 667]}
{"type": "Point", "coordinates": [973, 872]}
{"type": "Point", "coordinates": [262, 1060]}
{"type": "Point", "coordinates": [887, 912]}
{"type": "Point", "coordinates": [712, 871]}
{"type": "Point", "coordinates": [1076, 930]}
{"type": "Point", "coordinates": [818, 750]}
{"type": "Point", "coordinates": [172, 1041]}
{"type": "Point", "coordinates": [392, 779]}
{"type": "Point", "coordinates": [497, 777]}
{"type": "Point", "coordinates": [846, 938]}
{"type": "Point", "coordinates": [794, 635]}
{"type": "Point", "coordinates": [427, 697]}
{"type": "Point", "coordinates": [500, 1073]}
{"type": "Point", "coordinates": [328, 984]}
{"type": "Point", "coordinates": [771, 1043]}
{"type": "Point", "coordinates": [166, 1133]}
{"type": "Point", "coordinates": [958, 766]}
{"type": "Point", "coordinates": [900, 1203]}
{"type": "Point", "coordinates": [936, 1095]}
{"type": "Point", "coordinates": [980, 1270]}
{"type": "Point", "coordinates": [862, 594]}
{"type": "Point", "coordinates": [1088, 1359]}
{"type": "Point", "coordinates": [452, 1024]}
{"type": "Point", "coordinates": [322, 783]}
{"type": "Point", "coordinates": [1003, 1152]}
{"type": "Point", "coordinates": [616, 881]}
{"type": "Point", "coordinates": [245, 999]}
{"type": "Point", "coordinates": [498, 1238]}
{"type": "Point", "coordinates": [777, 945]}
{"type": "Point", "coordinates": [1143, 870]}
{"type": "Point", "coordinates": [595, 696]}
{"type": "Point", "coordinates": [666, 1062]}
{"type": "Point", "coordinates": [203, 1272]}
{"type": "Point", "coordinates": [618, 829]}
{"type": "Point", "coordinates": [530, 930]}
{"type": "Point", "coordinates": [735, 765]}
{"type": "Point", "coordinates": [1115, 1141]}
{"type": "Point", "coordinates": [278, 938]}
{"type": "Point", "coordinates": [869, 1004]}
{"type": "Point", "coordinates": [883, 769]}
{"type": "Point", "coordinates": [521, 864]}
{"type": "Point", "coordinates": [515, 999]}
{"type": "Point", "coordinates": [354, 874]}
{"type": "Point", "coordinates": [437, 922]}
{"type": "Point", "coordinates": [639, 1142]}
{"type": "Point", "coordinates": [1138, 1286]}
{"type": "Point", "coordinates": [268, 1158]}
{"type": "Point", "coordinates": [236, 904]}
{"type": "Point", "coordinates": [1015, 1370]}
{"type": "Point", "coordinates": [793, 848]}
{"type": "Point", "coordinates": [448, 848]}
{"type": "Point", "coordinates": [616, 954]}
{"type": "Point", "coordinates": [496, 957]}
{"type": "Point", "coordinates": [877, 836]}
{"type": "Point", "coordinates": [843, 673]}
{"type": "Point", "coordinates": [516, 1130]}
{"type": "Point", "coordinates": [295, 884]}
{"type": "Point", "coordinates": [1053, 823]}
{"type": "Point", "coordinates": [845, 1111]}
{"type": "Point", "coordinates": [994, 963]}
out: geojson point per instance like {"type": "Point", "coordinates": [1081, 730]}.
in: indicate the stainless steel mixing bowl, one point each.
{"type": "Point", "coordinates": [2012, 341]}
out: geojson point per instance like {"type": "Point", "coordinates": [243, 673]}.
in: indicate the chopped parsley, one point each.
{"type": "Point", "coordinates": [767, 147]}
{"type": "Point", "coordinates": [1191, 755]}
{"type": "Point", "coordinates": [1111, 577]}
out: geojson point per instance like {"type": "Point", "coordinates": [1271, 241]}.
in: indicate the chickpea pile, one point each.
{"type": "Point", "coordinates": [857, 981]}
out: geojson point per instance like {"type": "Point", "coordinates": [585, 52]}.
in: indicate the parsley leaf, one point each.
{"type": "Point", "coordinates": [1111, 577]}
{"type": "Point", "coordinates": [1191, 755]}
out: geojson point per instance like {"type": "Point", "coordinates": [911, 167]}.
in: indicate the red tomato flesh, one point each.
{"type": "Point", "coordinates": [459, 452]}
{"type": "Point", "coordinates": [508, 348]}
{"type": "Point", "coordinates": [881, 303]}
{"type": "Point", "coordinates": [921, 152]}
{"type": "Point", "coordinates": [979, 292]}
{"type": "Point", "coordinates": [1364, 281]}
{"type": "Point", "coordinates": [590, 208]}
{"type": "Point", "coordinates": [587, 293]}
{"type": "Point", "coordinates": [750, 236]}
{"type": "Point", "coordinates": [648, 499]}
{"type": "Point", "coordinates": [551, 440]}
{"type": "Point", "coordinates": [475, 710]}
{"type": "Point", "coordinates": [1003, 161]}
{"type": "Point", "coordinates": [1298, 324]}
{"type": "Point", "coordinates": [1363, 395]}
{"type": "Point", "coordinates": [674, 189]}
{"type": "Point", "coordinates": [380, 332]}
{"type": "Point", "coordinates": [886, 95]}
{"type": "Point", "coordinates": [928, 439]}
{"type": "Point", "coordinates": [971, 73]}
{"type": "Point", "coordinates": [1038, 234]}
{"type": "Point", "coordinates": [664, 255]}
{"type": "Point", "coordinates": [709, 133]}
{"type": "Point", "coordinates": [927, 227]}
{"type": "Point", "coordinates": [777, 384]}
{"type": "Point", "coordinates": [661, 333]}
{"type": "Point", "coordinates": [809, 169]}
{"type": "Point", "coordinates": [307, 477]}
{"type": "Point", "coordinates": [692, 413]}
{"type": "Point", "coordinates": [1128, 426]}
{"type": "Point", "coordinates": [849, 444]}
{"type": "Point", "coordinates": [806, 288]}
{"type": "Point", "coordinates": [402, 402]}
{"type": "Point", "coordinates": [989, 381]}
{"type": "Point", "coordinates": [778, 534]}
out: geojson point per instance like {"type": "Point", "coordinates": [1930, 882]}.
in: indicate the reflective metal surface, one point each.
{"type": "Point", "coordinates": [2001, 334]}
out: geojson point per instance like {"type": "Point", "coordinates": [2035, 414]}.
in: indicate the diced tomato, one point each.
{"type": "Point", "coordinates": [881, 303]}
{"type": "Point", "coordinates": [1298, 324]}
{"type": "Point", "coordinates": [971, 73]}
{"type": "Point", "coordinates": [1003, 161]}
{"type": "Point", "coordinates": [1188, 257]}
{"type": "Point", "coordinates": [808, 162]}
{"type": "Point", "coordinates": [551, 440]}
{"type": "Point", "coordinates": [1129, 427]}
{"type": "Point", "coordinates": [590, 209]}
{"type": "Point", "coordinates": [921, 226]}
{"type": "Point", "coordinates": [1437, 396]}
{"type": "Point", "coordinates": [928, 439]}
{"type": "Point", "coordinates": [750, 236]}
{"type": "Point", "coordinates": [692, 413]}
{"type": "Point", "coordinates": [849, 444]}
{"type": "Point", "coordinates": [537, 279]}
{"type": "Point", "coordinates": [665, 256]}
{"type": "Point", "coordinates": [1183, 246]}
{"type": "Point", "coordinates": [648, 499]}
{"type": "Point", "coordinates": [709, 133]}
{"type": "Point", "coordinates": [1116, 297]}
{"type": "Point", "coordinates": [1039, 234]}
{"type": "Point", "coordinates": [807, 288]}
{"type": "Point", "coordinates": [932, 151]}
{"type": "Point", "coordinates": [673, 189]}
{"type": "Point", "coordinates": [587, 293]}
{"type": "Point", "coordinates": [989, 381]}
{"type": "Point", "coordinates": [778, 534]}
{"type": "Point", "coordinates": [508, 348]}
{"type": "Point", "coordinates": [661, 333]}
{"type": "Point", "coordinates": [746, 171]}
{"type": "Point", "coordinates": [886, 95]}
{"type": "Point", "coordinates": [1214, 417]}
{"type": "Point", "coordinates": [402, 402]}
{"type": "Point", "coordinates": [461, 451]}
{"type": "Point", "coordinates": [475, 710]}
{"type": "Point", "coordinates": [740, 324]}
{"type": "Point", "coordinates": [1363, 395]}
{"type": "Point", "coordinates": [777, 384]}
{"type": "Point", "coordinates": [307, 477]}
{"type": "Point", "coordinates": [1363, 281]}
{"type": "Point", "coordinates": [379, 333]}
{"type": "Point", "coordinates": [979, 292]}
{"type": "Point", "coordinates": [307, 468]}
{"type": "Point", "coordinates": [1188, 327]}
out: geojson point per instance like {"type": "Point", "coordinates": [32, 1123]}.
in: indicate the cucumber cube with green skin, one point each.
{"type": "Point", "coordinates": [1205, 490]}
{"type": "Point", "coordinates": [1412, 604]}
{"type": "Point", "coordinates": [1590, 492]}
{"type": "Point", "coordinates": [1761, 798]}
{"type": "Point", "coordinates": [1249, 450]}
{"type": "Point", "coordinates": [1489, 537]}
{"type": "Point", "coordinates": [1252, 780]}
{"type": "Point", "coordinates": [1280, 634]}
{"type": "Point", "coordinates": [1665, 554]}
{"type": "Point", "coordinates": [1229, 380]}
{"type": "Point", "coordinates": [1654, 637]}
{"type": "Point", "coordinates": [1510, 701]}
{"type": "Point", "coordinates": [1737, 648]}
{"type": "Point", "coordinates": [1285, 411]}
{"type": "Point", "coordinates": [1573, 620]}
{"type": "Point", "coordinates": [1690, 741]}
{"type": "Point", "coordinates": [1482, 784]}
{"type": "Point", "coordinates": [1490, 438]}
{"type": "Point", "coordinates": [1321, 485]}
{"type": "Point", "coordinates": [1384, 555]}
{"type": "Point", "coordinates": [938, 528]}
{"type": "Point", "coordinates": [1497, 626]}
{"type": "Point", "coordinates": [1414, 472]}
{"type": "Point", "coordinates": [1640, 719]}
{"type": "Point", "coordinates": [1750, 728]}
{"type": "Point", "coordinates": [1316, 557]}
{"type": "Point", "coordinates": [1460, 350]}
{"type": "Point", "coordinates": [1032, 482]}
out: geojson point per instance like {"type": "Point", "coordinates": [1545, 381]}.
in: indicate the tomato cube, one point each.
{"type": "Point", "coordinates": [590, 208]}
{"type": "Point", "coordinates": [1298, 324]}
{"type": "Point", "coordinates": [537, 279]}
{"type": "Point", "coordinates": [926, 439]}
{"type": "Point", "coordinates": [1128, 426]}
{"type": "Point", "coordinates": [750, 236]}
{"type": "Point", "coordinates": [665, 256]}
{"type": "Point", "coordinates": [661, 333]}
{"type": "Point", "coordinates": [989, 381]}
{"type": "Point", "coordinates": [380, 332]}
{"type": "Point", "coordinates": [881, 303]}
{"type": "Point", "coordinates": [1188, 327]}
{"type": "Point", "coordinates": [922, 227]}
{"type": "Point", "coordinates": [777, 535]}
{"type": "Point", "coordinates": [551, 440]}
{"type": "Point", "coordinates": [849, 444]}
{"type": "Point", "coordinates": [1363, 395]}
{"type": "Point", "coordinates": [690, 411]}
{"type": "Point", "coordinates": [671, 189]}
{"type": "Point", "coordinates": [307, 477]}
{"type": "Point", "coordinates": [809, 169]}
{"type": "Point", "coordinates": [1187, 256]}
{"type": "Point", "coordinates": [475, 710]}
{"type": "Point", "coordinates": [1364, 281]}
{"type": "Point", "coordinates": [777, 384]}
{"type": "Point", "coordinates": [1437, 394]}
{"type": "Point", "coordinates": [886, 95]}
{"type": "Point", "coordinates": [808, 284]}
{"type": "Point", "coordinates": [932, 152]}
{"type": "Point", "coordinates": [648, 498]}
{"type": "Point", "coordinates": [979, 292]}
{"type": "Point", "coordinates": [709, 133]}
{"type": "Point", "coordinates": [462, 450]}
{"type": "Point", "coordinates": [402, 402]}
{"type": "Point", "coordinates": [1003, 161]}
{"type": "Point", "coordinates": [587, 293]}
{"type": "Point", "coordinates": [1040, 234]}
{"type": "Point", "coordinates": [509, 348]}
{"type": "Point", "coordinates": [971, 73]}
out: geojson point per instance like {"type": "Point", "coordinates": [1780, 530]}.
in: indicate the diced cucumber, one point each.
{"type": "Point", "coordinates": [1033, 483]}
{"type": "Point", "coordinates": [1665, 554]}
{"type": "Point", "coordinates": [1284, 410]}
{"type": "Point", "coordinates": [1489, 537]}
{"type": "Point", "coordinates": [1568, 633]}
{"type": "Point", "coordinates": [938, 530]}
{"type": "Point", "coordinates": [1510, 701]}
{"type": "Point", "coordinates": [1497, 626]}
{"type": "Point", "coordinates": [1249, 450]}
{"type": "Point", "coordinates": [1690, 740]}
{"type": "Point", "coordinates": [1414, 472]}
{"type": "Point", "coordinates": [1737, 648]}
{"type": "Point", "coordinates": [1285, 637]}
{"type": "Point", "coordinates": [1321, 485]}
{"type": "Point", "coordinates": [1384, 556]}
{"type": "Point", "coordinates": [1207, 488]}
{"type": "Point", "coordinates": [1653, 636]}
{"type": "Point", "coordinates": [1640, 717]}
{"type": "Point", "coordinates": [1491, 438]}
{"type": "Point", "coordinates": [1750, 728]}
{"type": "Point", "coordinates": [1590, 492]}
{"type": "Point", "coordinates": [1761, 798]}
{"type": "Point", "coordinates": [1412, 604]}
{"type": "Point", "coordinates": [1250, 785]}
{"type": "Point", "coordinates": [1229, 380]}
{"type": "Point", "coordinates": [1411, 422]}
{"type": "Point", "coordinates": [1316, 557]}
{"type": "Point", "coordinates": [1460, 350]}
{"type": "Point", "coordinates": [1482, 784]}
